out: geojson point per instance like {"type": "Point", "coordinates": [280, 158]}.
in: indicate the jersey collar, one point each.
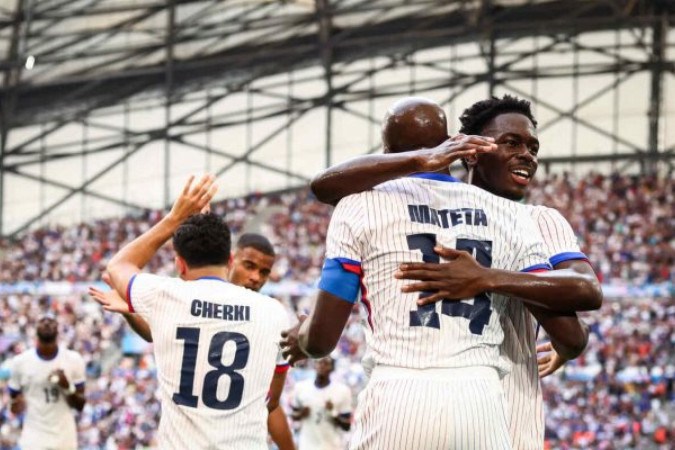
{"type": "Point", "coordinates": [212, 278]}
{"type": "Point", "coordinates": [436, 176]}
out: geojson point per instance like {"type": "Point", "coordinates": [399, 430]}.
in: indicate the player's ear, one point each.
{"type": "Point", "coordinates": [181, 265]}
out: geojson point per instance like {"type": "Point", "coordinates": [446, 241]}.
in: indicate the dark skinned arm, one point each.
{"type": "Point", "coordinates": [461, 276]}
{"type": "Point", "coordinates": [17, 403]}
{"type": "Point", "coordinates": [365, 172]}
{"type": "Point", "coordinates": [317, 335]}
{"type": "Point", "coordinates": [569, 335]}
{"type": "Point", "coordinates": [76, 399]}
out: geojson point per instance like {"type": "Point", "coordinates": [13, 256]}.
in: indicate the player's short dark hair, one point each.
{"type": "Point", "coordinates": [256, 241]}
{"type": "Point", "coordinates": [203, 240]}
{"type": "Point", "coordinates": [476, 116]}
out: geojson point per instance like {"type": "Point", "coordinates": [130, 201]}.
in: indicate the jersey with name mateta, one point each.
{"type": "Point", "coordinates": [401, 221]}
{"type": "Point", "coordinates": [216, 347]}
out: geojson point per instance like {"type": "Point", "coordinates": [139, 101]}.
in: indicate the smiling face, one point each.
{"type": "Point", "coordinates": [251, 268]}
{"type": "Point", "coordinates": [508, 171]}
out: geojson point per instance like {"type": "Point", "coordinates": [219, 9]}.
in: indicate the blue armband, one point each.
{"type": "Point", "coordinates": [342, 278]}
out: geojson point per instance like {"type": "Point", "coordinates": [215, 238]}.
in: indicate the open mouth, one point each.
{"type": "Point", "coordinates": [521, 176]}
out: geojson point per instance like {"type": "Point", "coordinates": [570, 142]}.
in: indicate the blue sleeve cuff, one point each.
{"type": "Point", "coordinates": [13, 391]}
{"type": "Point", "coordinates": [537, 268]}
{"type": "Point", "coordinates": [342, 278]}
{"type": "Point", "coordinates": [567, 256]}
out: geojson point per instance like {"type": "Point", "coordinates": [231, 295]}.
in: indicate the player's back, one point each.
{"type": "Point", "coordinates": [402, 222]}
{"type": "Point", "coordinates": [216, 347]}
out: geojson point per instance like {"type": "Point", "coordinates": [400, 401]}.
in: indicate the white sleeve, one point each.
{"type": "Point", "coordinates": [346, 229]}
{"type": "Point", "coordinates": [530, 255]}
{"type": "Point", "coordinates": [79, 376]}
{"type": "Point", "coordinates": [560, 241]}
{"type": "Point", "coordinates": [345, 404]}
{"type": "Point", "coordinates": [14, 383]}
{"type": "Point", "coordinates": [143, 292]}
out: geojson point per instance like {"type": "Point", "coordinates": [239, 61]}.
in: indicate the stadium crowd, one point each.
{"type": "Point", "coordinates": [619, 394]}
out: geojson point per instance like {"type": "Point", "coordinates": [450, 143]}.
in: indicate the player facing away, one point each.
{"type": "Point", "coordinates": [215, 343]}
{"type": "Point", "coordinates": [324, 409]}
{"type": "Point", "coordinates": [505, 172]}
{"type": "Point", "coordinates": [436, 380]}
{"type": "Point", "coordinates": [251, 267]}
{"type": "Point", "coordinates": [47, 382]}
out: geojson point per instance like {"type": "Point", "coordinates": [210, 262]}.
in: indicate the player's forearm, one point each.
{"type": "Point", "coordinates": [76, 400]}
{"type": "Point", "coordinates": [139, 326]}
{"type": "Point", "coordinates": [17, 406]}
{"type": "Point", "coordinates": [138, 252]}
{"type": "Point", "coordinates": [559, 290]}
{"type": "Point", "coordinates": [320, 333]}
{"type": "Point", "coordinates": [277, 425]}
{"type": "Point", "coordinates": [362, 173]}
{"type": "Point", "coordinates": [569, 335]}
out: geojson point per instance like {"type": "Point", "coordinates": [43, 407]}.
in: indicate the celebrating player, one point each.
{"type": "Point", "coordinates": [324, 408]}
{"type": "Point", "coordinates": [251, 267]}
{"type": "Point", "coordinates": [46, 382]}
{"type": "Point", "coordinates": [427, 364]}
{"type": "Point", "coordinates": [505, 172]}
{"type": "Point", "coordinates": [214, 342]}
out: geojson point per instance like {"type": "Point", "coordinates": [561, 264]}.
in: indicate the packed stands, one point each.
{"type": "Point", "coordinates": [619, 394]}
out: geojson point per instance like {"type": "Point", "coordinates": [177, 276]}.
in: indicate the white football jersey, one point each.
{"type": "Point", "coordinates": [317, 432]}
{"type": "Point", "coordinates": [49, 423]}
{"type": "Point", "coordinates": [521, 385]}
{"type": "Point", "coordinates": [216, 347]}
{"type": "Point", "coordinates": [400, 221]}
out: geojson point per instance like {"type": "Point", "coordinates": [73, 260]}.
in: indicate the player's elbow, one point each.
{"type": "Point", "coordinates": [572, 344]}
{"type": "Point", "coordinates": [318, 348]}
{"type": "Point", "coordinates": [321, 191]}
{"type": "Point", "coordinates": [593, 293]}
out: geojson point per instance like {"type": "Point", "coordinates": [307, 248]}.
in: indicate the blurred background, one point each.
{"type": "Point", "coordinates": [106, 106]}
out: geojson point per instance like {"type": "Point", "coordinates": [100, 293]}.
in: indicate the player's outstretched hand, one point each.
{"type": "Point", "coordinates": [194, 198]}
{"type": "Point", "coordinates": [459, 277]}
{"type": "Point", "coordinates": [456, 147]}
{"type": "Point", "coordinates": [290, 348]}
{"type": "Point", "coordinates": [110, 300]}
{"type": "Point", "coordinates": [550, 362]}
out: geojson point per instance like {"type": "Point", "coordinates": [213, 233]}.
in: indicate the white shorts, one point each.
{"type": "Point", "coordinates": [448, 409]}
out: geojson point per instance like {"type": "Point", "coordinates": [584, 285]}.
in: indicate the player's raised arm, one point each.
{"type": "Point", "coordinates": [135, 255]}
{"type": "Point", "coordinates": [365, 172]}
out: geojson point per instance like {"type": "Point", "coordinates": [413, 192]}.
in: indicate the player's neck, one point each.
{"type": "Point", "coordinates": [47, 351]}
{"type": "Point", "coordinates": [207, 272]}
{"type": "Point", "coordinates": [321, 382]}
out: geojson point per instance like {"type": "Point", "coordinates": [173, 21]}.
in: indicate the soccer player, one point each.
{"type": "Point", "coordinates": [442, 367]}
{"type": "Point", "coordinates": [215, 343]}
{"type": "Point", "coordinates": [251, 267]}
{"type": "Point", "coordinates": [505, 172]}
{"type": "Point", "coordinates": [47, 382]}
{"type": "Point", "coordinates": [324, 409]}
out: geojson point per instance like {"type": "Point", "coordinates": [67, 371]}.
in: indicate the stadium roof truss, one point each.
{"type": "Point", "coordinates": [279, 89]}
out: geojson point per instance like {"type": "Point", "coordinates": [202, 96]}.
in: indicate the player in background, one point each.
{"type": "Point", "coordinates": [215, 343]}
{"type": "Point", "coordinates": [505, 172]}
{"type": "Point", "coordinates": [46, 382]}
{"type": "Point", "coordinates": [324, 409]}
{"type": "Point", "coordinates": [251, 267]}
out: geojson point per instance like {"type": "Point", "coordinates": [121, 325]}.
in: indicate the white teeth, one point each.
{"type": "Point", "coordinates": [521, 173]}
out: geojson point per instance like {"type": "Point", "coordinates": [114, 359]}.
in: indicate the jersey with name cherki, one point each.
{"type": "Point", "coordinates": [521, 385]}
{"type": "Point", "coordinates": [49, 421]}
{"type": "Point", "coordinates": [216, 347]}
{"type": "Point", "coordinates": [373, 232]}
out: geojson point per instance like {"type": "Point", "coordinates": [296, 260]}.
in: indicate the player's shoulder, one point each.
{"type": "Point", "coordinates": [541, 213]}
{"type": "Point", "coordinates": [20, 360]}
{"type": "Point", "coordinates": [70, 355]}
{"type": "Point", "coordinates": [269, 305]}
{"type": "Point", "coordinates": [341, 388]}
